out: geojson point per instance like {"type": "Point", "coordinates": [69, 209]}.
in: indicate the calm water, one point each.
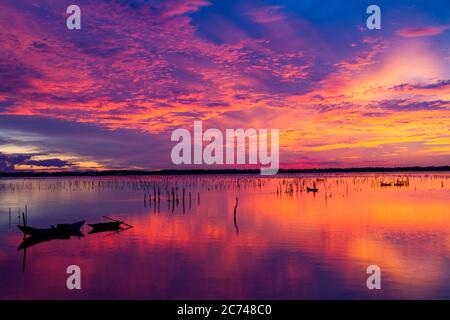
{"type": "Point", "coordinates": [283, 243]}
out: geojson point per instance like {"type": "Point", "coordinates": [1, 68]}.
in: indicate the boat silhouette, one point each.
{"type": "Point", "coordinates": [113, 225]}
{"type": "Point", "coordinates": [401, 183]}
{"type": "Point", "coordinates": [59, 230]}
{"type": "Point", "coordinates": [105, 226]}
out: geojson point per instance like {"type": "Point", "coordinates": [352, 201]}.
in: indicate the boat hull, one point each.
{"type": "Point", "coordinates": [60, 230]}
{"type": "Point", "coordinates": [106, 226]}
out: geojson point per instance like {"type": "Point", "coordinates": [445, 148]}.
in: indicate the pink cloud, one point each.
{"type": "Point", "coordinates": [126, 79]}
{"type": "Point", "coordinates": [178, 8]}
{"type": "Point", "coordinates": [266, 14]}
{"type": "Point", "coordinates": [421, 31]}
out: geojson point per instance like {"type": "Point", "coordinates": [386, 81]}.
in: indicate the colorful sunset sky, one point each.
{"type": "Point", "coordinates": [109, 95]}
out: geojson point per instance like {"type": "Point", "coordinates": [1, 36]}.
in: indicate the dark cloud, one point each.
{"type": "Point", "coordinates": [39, 45]}
{"type": "Point", "coordinates": [375, 114]}
{"type": "Point", "coordinates": [435, 85]}
{"type": "Point", "coordinates": [438, 84]}
{"type": "Point", "coordinates": [383, 108]}
{"type": "Point", "coordinates": [48, 163]}
{"type": "Point", "coordinates": [15, 76]}
{"type": "Point", "coordinates": [407, 105]}
{"type": "Point", "coordinates": [9, 161]}
{"type": "Point", "coordinates": [100, 48]}
{"type": "Point", "coordinates": [5, 104]}
{"type": "Point", "coordinates": [121, 148]}
{"type": "Point", "coordinates": [321, 108]}
{"type": "Point", "coordinates": [192, 114]}
{"type": "Point", "coordinates": [217, 104]}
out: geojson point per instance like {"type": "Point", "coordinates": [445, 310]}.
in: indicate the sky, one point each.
{"type": "Point", "coordinates": [109, 96]}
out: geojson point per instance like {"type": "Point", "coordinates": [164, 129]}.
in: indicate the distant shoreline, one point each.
{"type": "Point", "coordinates": [215, 172]}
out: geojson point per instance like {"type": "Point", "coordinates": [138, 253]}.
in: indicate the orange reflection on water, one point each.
{"type": "Point", "coordinates": [286, 243]}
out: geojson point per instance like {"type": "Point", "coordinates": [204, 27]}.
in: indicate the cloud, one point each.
{"type": "Point", "coordinates": [422, 31]}
{"type": "Point", "coordinates": [48, 163]}
{"type": "Point", "coordinates": [181, 7]}
{"type": "Point", "coordinates": [267, 14]}
{"type": "Point", "coordinates": [112, 92]}
{"type": "Point", "coordinates": [5, 104]}
{"type": "Point", "coordinates": [85, 142]}
{"type": "Point", "coordinates": [411, 105]}
{"type": "Point", "coordinates": [441, 84]}
{"type": "Point", "coordinates": [123, 78]}
{"type": "Point", "coordinates": [16, 77]}
{"type": "Point", "coordinates": [8, 162]}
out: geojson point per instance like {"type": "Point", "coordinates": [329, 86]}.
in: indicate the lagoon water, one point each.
{"type": "Point", "coordinates": [282, 243]}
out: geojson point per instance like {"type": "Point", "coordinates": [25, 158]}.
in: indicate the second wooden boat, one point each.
{"type": "Point", "coordinates": [106, 226]}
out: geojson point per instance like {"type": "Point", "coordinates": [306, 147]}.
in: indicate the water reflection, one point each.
{"type": "Point", "coordinates": [235, 220]}
{"type": "Point", "coordinates": [233, 237]}
{"type": "Point", "coordinates": [36, 239]}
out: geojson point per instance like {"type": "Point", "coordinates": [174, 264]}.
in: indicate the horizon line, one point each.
{"type": "Point", "coordinates": [130, 172]}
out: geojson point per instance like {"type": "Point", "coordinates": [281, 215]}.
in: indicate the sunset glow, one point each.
{"type": "Point", "coordinates": [109, 95]}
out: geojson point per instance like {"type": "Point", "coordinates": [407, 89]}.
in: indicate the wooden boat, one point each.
{"type": "Point", "coordinates": [313, 189]}
{"type": "Point", "coordinates": [385, 184]}
{"type": "Point", "coordinates": [112, 225]}
{"type": "Point", "coordinates": [59, 230]}
{"type": "Point", "coordinates": [105, 226]}
{"type": "Point", "coordinates": [400, 183]}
